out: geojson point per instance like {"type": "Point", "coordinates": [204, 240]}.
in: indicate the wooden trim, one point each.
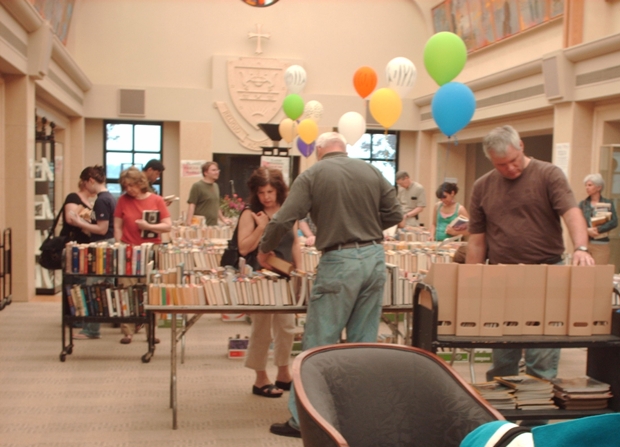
{"type": "Point", "coordinates": [573, 22]}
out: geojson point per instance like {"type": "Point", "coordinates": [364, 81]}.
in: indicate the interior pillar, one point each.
{"type": "Point", "coordinates": [19, 138]}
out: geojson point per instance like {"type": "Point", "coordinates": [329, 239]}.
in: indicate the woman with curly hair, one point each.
{"type": "Point", "coordinates": [267, 193]}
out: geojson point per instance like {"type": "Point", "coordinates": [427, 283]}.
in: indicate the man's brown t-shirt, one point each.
{"type": "Point", "coordinates": [521, 218]}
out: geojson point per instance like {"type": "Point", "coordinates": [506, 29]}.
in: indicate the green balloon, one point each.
{"type": "Point", "coordinates": [445, 55]}
{"type": "Point", "coordinates": [293, 106]}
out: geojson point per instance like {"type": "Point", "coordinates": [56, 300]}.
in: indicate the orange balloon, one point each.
{"type": "Point", "coordinates": [364, 81]}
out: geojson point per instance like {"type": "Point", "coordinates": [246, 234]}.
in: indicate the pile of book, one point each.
{"type": "Point", "coordinates": [399, 286]}
{"type": "Point", "coordinates": [227, 287]}
{"type": "Point", "coordinates": [601, 214]}
{"type": "Point", "coordinates": [200, 232]}
{"type": "Point", "coordinates": [497, 394]}
{"type": "Point", "coordinates": [581, 393]}
{"type": "Point", "coordinates": [310, 257]}
{"type": "Point", "coordinates": [531, 393]}
{"type": "Point", "coordinates": [419, 234]}
{"type": "Point", "coordinates": [103, 258]}
{"type": "Point", "coordinates": [203, 255]}
{"type": "Point", "coordinates": [105, 300]}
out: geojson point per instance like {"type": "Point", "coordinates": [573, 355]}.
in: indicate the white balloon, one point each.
{"type": "Point", "coordinates": [401, 75]}
{"type": "Point", "coordinates": [313, 109]}
{"type": "Point", "coordinates": [295, 79]}
{"type": "Point", "coordinates": [352, 126]}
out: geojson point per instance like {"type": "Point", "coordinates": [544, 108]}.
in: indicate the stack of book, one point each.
{"type": "Point", "coordinates": [601, 215]}
{"type": "Point", "coordinates": [497, 394]}
{"type": "Point", "coordinates": [531, 393]}
{"type": "Point", "coordinates": [581, 393]}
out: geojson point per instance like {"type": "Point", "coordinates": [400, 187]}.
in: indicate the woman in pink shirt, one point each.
{"type": "Point", "coordinates": [129, 225]}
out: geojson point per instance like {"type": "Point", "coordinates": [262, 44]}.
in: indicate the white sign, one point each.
{"type": "Point", "coordinates": [191, 168]}
{"type": "Point", "coordinates": [561, 157]}
{"type": "Point", "coordinates": [281, 163]}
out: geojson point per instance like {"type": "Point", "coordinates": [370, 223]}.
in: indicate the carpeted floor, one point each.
{"type": "Point", "coordinates": [103, 395]}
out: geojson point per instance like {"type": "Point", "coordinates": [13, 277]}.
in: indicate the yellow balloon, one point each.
{"type": "Point", "coordinates": [287, 130]}
{"type": "Point", "coordinates": [308, 130]}
{"type": "Point", "coordinates": [385, 106]}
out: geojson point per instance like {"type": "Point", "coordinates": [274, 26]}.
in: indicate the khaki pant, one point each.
{"type": "Point", "coordinates": [283, 326]}
{"type": "Point", "coordinates": [600, 252]}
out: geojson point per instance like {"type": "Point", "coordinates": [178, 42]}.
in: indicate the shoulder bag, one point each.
{"type": "Point", "coordinates": [52, 247]}
{"type": "Point", "coordinates": [231, 254]}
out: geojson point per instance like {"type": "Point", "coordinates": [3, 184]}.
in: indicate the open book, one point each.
{"type": "Point", "coordinates": [460, 223]}
{"type": "Point", "coordinates": [151, 217]}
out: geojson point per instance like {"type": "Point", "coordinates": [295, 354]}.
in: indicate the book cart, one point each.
{"type": "Point", "coordinates": [68, 319]}
{"type": "Point", "coordinates": [603, 358]}
{"type": "Point", "coordinates": [6, 278]}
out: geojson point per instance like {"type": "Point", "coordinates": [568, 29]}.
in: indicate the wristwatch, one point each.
{"type": "Point", "coordinates": [582, 248]}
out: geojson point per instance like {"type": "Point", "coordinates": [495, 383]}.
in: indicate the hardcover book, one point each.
{"type": "Point", "coordinates": [152, 217]}
{"type": "Point", "coordinates": [580, 385]}
{"type": "Point", "coordinates": [280, 265]}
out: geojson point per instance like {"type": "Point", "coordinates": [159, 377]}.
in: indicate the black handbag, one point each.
{"type": "Point", "coordinates": [52, 247]}
{"type": "Point", "coordinates": [231, 255]}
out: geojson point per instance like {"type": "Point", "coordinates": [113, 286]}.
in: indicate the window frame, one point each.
{"type": "Point", "coordinates": [133, 152]}
{"type": "Point", "coordinates": [372, 132]}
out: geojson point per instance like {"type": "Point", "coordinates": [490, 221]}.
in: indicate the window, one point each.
{"type": "Point", "coordinates": [379, 149]}
{"type": "Point", "coordinates": [128, 144]}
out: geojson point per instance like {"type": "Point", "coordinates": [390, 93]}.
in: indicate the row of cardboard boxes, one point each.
{"type": "Point", "coordinates": [495, 300]}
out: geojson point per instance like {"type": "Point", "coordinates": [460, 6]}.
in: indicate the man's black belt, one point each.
{"type": "Point", "coordinates": [553, 261]}
{"type": "Point", "coordinates": [350, 245]}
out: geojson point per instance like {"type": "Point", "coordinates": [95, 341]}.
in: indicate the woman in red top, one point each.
{"type": "Point", "coordinates": [129, 223]}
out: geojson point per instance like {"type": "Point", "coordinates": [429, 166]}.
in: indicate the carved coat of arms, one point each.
{"type": "Point", "coordinates": [257, 88]}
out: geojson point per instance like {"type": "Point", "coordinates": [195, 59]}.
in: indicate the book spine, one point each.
{"type": "Point", "coordinates": [75, 259]}
{"type": "Point", "coordinates": [128, 259]}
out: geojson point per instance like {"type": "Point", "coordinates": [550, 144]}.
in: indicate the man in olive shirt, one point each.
{"type": "Point", "coordinates": [351, 204]}
{"type": "Point", "coordinates": [204, 197]}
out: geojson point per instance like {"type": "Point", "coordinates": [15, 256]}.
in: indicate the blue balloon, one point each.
{"type": "Point", "coordinates": [453, 107]}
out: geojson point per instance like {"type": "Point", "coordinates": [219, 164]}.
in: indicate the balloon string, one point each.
{"type": "Point", "coordinates": [445, 168]}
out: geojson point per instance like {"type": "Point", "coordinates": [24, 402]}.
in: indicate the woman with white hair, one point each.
{"type": "Point", "coordinates": [600, 214]}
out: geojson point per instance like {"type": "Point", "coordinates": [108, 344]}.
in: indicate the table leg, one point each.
{"type": "Point", "coordinates": [173, 370]}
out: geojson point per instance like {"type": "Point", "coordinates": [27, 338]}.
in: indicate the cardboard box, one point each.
{"type": "Point", "coordinates": [556, 300]}
{"type": "Point", "coordinates": [513, 305]}
{"type": "Point", "coordinates": [492, 300]}
{"type": "Point", "coordinates": [534, 299]}
{"type": "Point", "coordinates": [237, 347]}
{"type": "Point", "coordinates": [469, 295]}
{"type": "Point", "coordinates": [601, 306]}
{"type": "Point", "coordinates": [444, 278]}
{"type": "Point", "coordinates": [581, 303]}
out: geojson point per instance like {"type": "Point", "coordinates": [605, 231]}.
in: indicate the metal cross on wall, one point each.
{"type": "Point", "coordinates": [258, 36]}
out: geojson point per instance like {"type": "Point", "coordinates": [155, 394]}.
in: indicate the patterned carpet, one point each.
{"type": "Point", "coordinates": [103, 395]}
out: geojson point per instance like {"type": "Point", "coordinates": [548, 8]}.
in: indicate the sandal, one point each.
{"type": "Point", "coordinates": [285, 386]}
{"type": "Point", "coordinates": [266, 391]}
{"type": "Point", "coordinates": [126, 339]}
